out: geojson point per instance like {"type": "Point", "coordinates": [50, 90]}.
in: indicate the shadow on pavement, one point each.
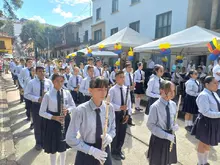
{"type": "Point", "coordinates": [28, 157]}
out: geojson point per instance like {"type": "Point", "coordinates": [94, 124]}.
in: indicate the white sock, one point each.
{"type": "Point", "coordinates": [190, 123]}
{"type": "Point", "coordinates": [186, 123]}
{"type": "Point", "coordinates": [206, 156]}
{"type": "Point", "coordinates": [62, 158]}
{"type": "Point", "coordinates": [200, 158]}
{"type": "Point", "coordinates": [139, 102]}
{"type": "Point", "coordinates": [53, 159]}
{"type": "Point", "coordinates": [136, 102]}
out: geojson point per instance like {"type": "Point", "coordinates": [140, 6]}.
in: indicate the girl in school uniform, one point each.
{"type": "Point", "coordinates": [162, 125]}
{"type": "Point", "coordinates": [189, 105]}
{"type": "Point", "coordinates": [207, 124]}
{"type": "Point", "coordinates": [139, 77]}
{"type": "Point", "coordinates": [153, 86]}
{"type": "Point", "coordinates": [112, 75]}
{"type": "Point", "coordinates": [56, 122]}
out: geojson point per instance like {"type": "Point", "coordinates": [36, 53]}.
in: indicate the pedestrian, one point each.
{"type": "Point", "coordinates": [89, 120]}
{"type": "Point", "coordinates": [18, 72]}
{"type": "Point", "coordinates": [207, 124]}
{"type": "Point", "coordinates": [161, 124]}
{"type": "Point", "coordinates": [139, 85]}
{"type": "Point", "coordinates": [118, 95]}
{"type": "Point", "coordinates": [189, 104]}
{"type": "Point", "coordinates": [90, 62]}
{"type": "Point", "coordinates": [106, 73]}
{"type": "Point", "coordinates": [81, 72]}
{"type": "Point", "coordinates": [67, 75]}
{"type": "Point", "coordinates": [55, 108]}
{"type": "Point", "coordinates": [98, 70]}
{"type": "Point", "coordinates": [153, 86]}
{"type": "Point", "coordinates": [84, 86]}
{"type": "Point", "coordinates": [112, 75]}
{"type": "Point", "coordinates": [34, 92]}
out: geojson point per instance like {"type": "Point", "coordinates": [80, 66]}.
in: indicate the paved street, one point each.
{"type": "Point", "coordinates": [135, 148]}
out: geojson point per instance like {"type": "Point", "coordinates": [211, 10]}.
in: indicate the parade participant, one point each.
{"type": "Point", "coordinates": [201, 73]}
{"type": "Point", "coordinates": [161, 124]}
{"type": "Point", "coordinates": [55, 71]}
{"type": "Point", "coordinates": [34, 92]}
{"type": "Point", "coordinates": [216, 74]}
{"type": "Point", "coordinates": [15, 73]}
{"type": "Point", "coordinates": [90, 62]}
{"type": "Point", "coordinates": [191, 66]}
{"type": "Point", "coordinates": [84, 86]}
{"type": "Point", "coordinates": [67, 75]}
{"type": "Point", "coordinates": [122, 109]}
{"type": "Point", "coordinates": [106, 73]}
{"type": "Point", "coordinates": [207, 125]}
{"type": "Point", "coordinates": [12, 66]}
{"type": "Point", "coordinates": [74, 83]}
{"type": "Point", "coordinates": [189, 104]}
{"type": "Point", "coordinates": [56, 106]}
{"type": "Point", "coordinates": [176, 77]}
{"type": "Point", "coordinates": [49, 69]}
{"type": "Point", "coordinates": [130, 83]}
{"type": "Point", "coordinates": [98, 70]}
{"type": "Point", "coordinates": [139, 85]}
{"type": "Point", "coordinates": [89, 120]}
{"type": "Point", "coordinates": [210, 68]}
{"type": "Point", "coordinates": [153, 86]}
{"type": "Point", "coordinates": [112, 75]}
{"type": "Point", "coordinates": [25, 76]}
{"type": "Point", "coordinates": [18, 72]}
{"type": "Point", "coordinates": [81, 71]}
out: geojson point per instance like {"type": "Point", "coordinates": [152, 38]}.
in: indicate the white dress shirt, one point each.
{"type": "Point", "coordinates": [72, 82]}
{"type": "Point", "coordinates": [49, 102]}
{"type": "Point", "coordinates": [97, 71]}
{"type": "Point", "coordinates": [84, 86]}
{"type": "Point", "coordinates": [32, 91]}
{"type": "Point", "coordinates": [137, 76]}
{"type": "Point", "coordinates": [192, 88]}
{"type": "Point", "coordinates": [153, 86]}
{"type": "Point", "coordinates": [216, 70]}
{"type": "Point", "coordinates": [49, 68]}
{"type": "Point", "coordinates": [112, 77]}
{"type": "Point", "coordinates": [18, 70]}
{"type": "Point", "coordinates": [24, 77]}
{"type": "Point", "coordinates": [84, 122]}
{"type": "Point", "coordinates": [127, 79]}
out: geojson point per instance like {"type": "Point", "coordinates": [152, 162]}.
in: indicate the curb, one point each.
{"type": "Point", "coordinates": [7, 154]}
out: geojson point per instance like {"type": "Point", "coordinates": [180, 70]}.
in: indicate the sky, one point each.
{"type": "Point", "coordinates": [54, 12]}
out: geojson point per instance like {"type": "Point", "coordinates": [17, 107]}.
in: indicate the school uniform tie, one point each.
{"type": "Point", "coordinates": [106, 74]}
{"type": "Point", "coordinates": [77, 81]}
{"type": "Point", "coordinates": [141, 75]}
{"type": "Point", "coordinates": [168, 116]}
{"type": "Point", "coordinates": [218, 104]}
{"type": "Point", "coordinates": [122, 98]}
{"type": "Point", "coordinates": [197, 85]}
{"type": "Point", "coordinates": [98, 129]}
{"type": "Point", "coordinates": [67, 77]}
{"type": "Point", "coordinates": [49, 70]}
{"type": "Point", "coordinates": [100, 71]}
{"type": "Point", "coordinates": [129, 74]}
{"type": "Point", "coordinates": [58, 102]}
{"type": "Point", "coordinates": [159, 82]}
{"type": "Point", "coordinates": [41, 88]}
{"type": "Point", "coordinates": [30, 73]}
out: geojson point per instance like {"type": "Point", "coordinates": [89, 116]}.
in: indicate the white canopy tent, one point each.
{"type": "Point", "coordinates": [8, 56]}
{"type": "Point", "coordinates": [127, 37]}
{"type": "Point", "coordinates": [99, 53]}
{"type": "Point", "coordinates": [191, 41]}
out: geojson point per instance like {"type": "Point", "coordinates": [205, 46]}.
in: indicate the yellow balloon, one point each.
{"type": "Point", "coordinates": [119, 46]}
{"type": "Point", "coordinates": [67, 57]}
{"type": "Point", "coordinates": [164, 46]}
{"type": "Point", "coordinates": [101, 46]}
{"type": "Point", "coordinates": [117, 63]}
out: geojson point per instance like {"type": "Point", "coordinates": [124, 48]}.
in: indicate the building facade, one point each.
{"type": "Point", "coordinates": [5, 44]}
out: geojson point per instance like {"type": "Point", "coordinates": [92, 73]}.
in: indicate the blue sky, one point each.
{"type": "Point", "coordinates": [55, 12]}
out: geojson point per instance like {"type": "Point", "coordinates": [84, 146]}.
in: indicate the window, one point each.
{"type": "Point", "coordinates": [2, 45]}
{"type": "Point", "coordinates": [86, 36]}
{"type": "Point", "coordinates": [114, 30]}
{"type": "Point", "coordinates": [98, 35]}
{"type": "Point", "coordinates": [135, 26]}
{"type": "Point", "coordinates": [98, 14]}
{"type": "Point", "coordinates": [114, 6]}
{"type": "Point", "coordinates": [163, 24]}
{"type": "Point", "coordinates": [134, 1]}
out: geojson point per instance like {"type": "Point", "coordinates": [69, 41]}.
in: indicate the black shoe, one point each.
{"type": "Point", "coordinates": [116, 156]}
{"type": "Point", "coordinates": [122, 156]}
{"type": "Point", "coordinates": [188, 128]}
{"type": "Point", "coordinates": [137, 109]}
{"type": "Point", "coordinates": [32, 126]}
{"type": "Point", "coordinates": [131, 123]}
{"type": "Point", "coordinates": [207, 164]}
{"type": "Point", "coordinates": [38, 147]}
{"type": "Point", "coordinates": [140, 109]}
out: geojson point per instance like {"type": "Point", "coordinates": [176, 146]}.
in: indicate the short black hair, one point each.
{"type": "Point", "coordinates": [139, 64]}
{"type": "Point", "coordinates": [89, 67]}
{"type": "Point", "coordinates": [119, 73]}
{"type": "Point", "coordinates": [28, 59]}
{"type": "Point", "coordinates": [55, 75]}
{"type": "Point", "coordinates": [22, 60]}
{"type": "Point", "coordinates": [90, 59]}
{"type": "Point", "coordinates": [208, 79]}
{"type": "Point", "coordinates": [98, 82]}
{"type": "Point", "coordinates": [39, 68]}
{"type": "Point", "coordinates": [191, 72]}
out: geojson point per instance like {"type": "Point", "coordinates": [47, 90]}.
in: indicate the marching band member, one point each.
{"type": "Point", "coordinates": [84, 86]}
{"type": "Point", "coordinates": [161, 124]}
{"type": "Point", "coordinates": [55, 71]}
{"type": "Point", "coordinates": [34, 92]}
{"type": "Point", "coordinates": [67, 75]}
{"type": "Point", "coordinates": [106, 73]}
{"type": "Point", "coordinates": [122, 109]}
{"type": "Point", "coordinates": [88, 119]}
{"type": "Point", "coordinates": [207, 124]}
{"type": "Point", "coordinates": [139, 85]}
{"type": "Point", "coordinates": [130, 83]}
{"type": "Point", "coordinates": [49, 69]}
{"type": "Point", "coordinates": [81, 71]}
{"type": "Point", "coordinates": [112, 75]}
{"type": "Point", "coordinates": [55, 108]}
{"type": "Point", "coordinates": [189, 104]}
{"type": "Point", "coordinates": [12, 67]}
{"type": "Point", "coordinates": [98, 70]}
{"type": "Point", "coordinates": [153, 86]}
{"type": "Point", "coordinates": [18, 73]}
{"type": "Point", "coordinates": [90, 62]}
{"type": "Point", "coordinates": [74, 83]}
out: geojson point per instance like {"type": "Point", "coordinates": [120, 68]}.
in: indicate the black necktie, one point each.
{"type": "Point", "coordinates": [58, 102]}
{"type": "Point", "coordinates": [49, 70]}
{"type": "Point", "coordinates": [98, 129]}
{"type": "Point", "coordinates": [100, 71]}
{"type": "Point", "coordinates": [129, 74]}
{"type": "Point", "coordinates": [67, 77]}
{"type": "Point", "coordinates": [168, 116]}
{"type": "Point", "coordinates": [159, 82]}
{"type": "Point", "coordinates": [106, 73]}
{"type": "Point", "coordinates": [30, 73]}
{"type": "Point", "coordinates": [77, 81]}
{"type": "Point", "coordinates": [41, 88]}
{"type": "Point", "coordinates": [141, 75]}
{"type": "Point", "coordinates": [122, 98]}
{"type": "Point", "coordinates": [197, 85]}
{"type": "Point", "coordinates": [218, 104]}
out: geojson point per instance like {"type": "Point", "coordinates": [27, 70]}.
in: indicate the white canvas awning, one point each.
{"type": "Point", "coordinates": [99, 53]}
{"type": "Point", "coordinates": [127, 37]}
{"type": "Point", "coordinates": [192, 41]}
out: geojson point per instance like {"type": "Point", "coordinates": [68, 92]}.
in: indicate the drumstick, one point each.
{"type": "Point", "coordinates": [175, 119]}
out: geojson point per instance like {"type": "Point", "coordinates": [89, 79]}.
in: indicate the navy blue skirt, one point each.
{"type": "Point", "coordinates": [86, 159]}
{"type": "Point", "coordinates": [139, 88]}
{"type": "Point", "coordinates": [52, 135]}
{"type": "Point", "coordinates": [189, 105]}
{"type": "Point", "coordinates": [159, 151]}
{"type": "Point", "coordinates": [150, 101]}
{"type": "Point", "coordinates": [207, 130]}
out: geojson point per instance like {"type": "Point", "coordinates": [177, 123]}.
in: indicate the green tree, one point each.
{"type": "Point", "coordinates": [9, 8]}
